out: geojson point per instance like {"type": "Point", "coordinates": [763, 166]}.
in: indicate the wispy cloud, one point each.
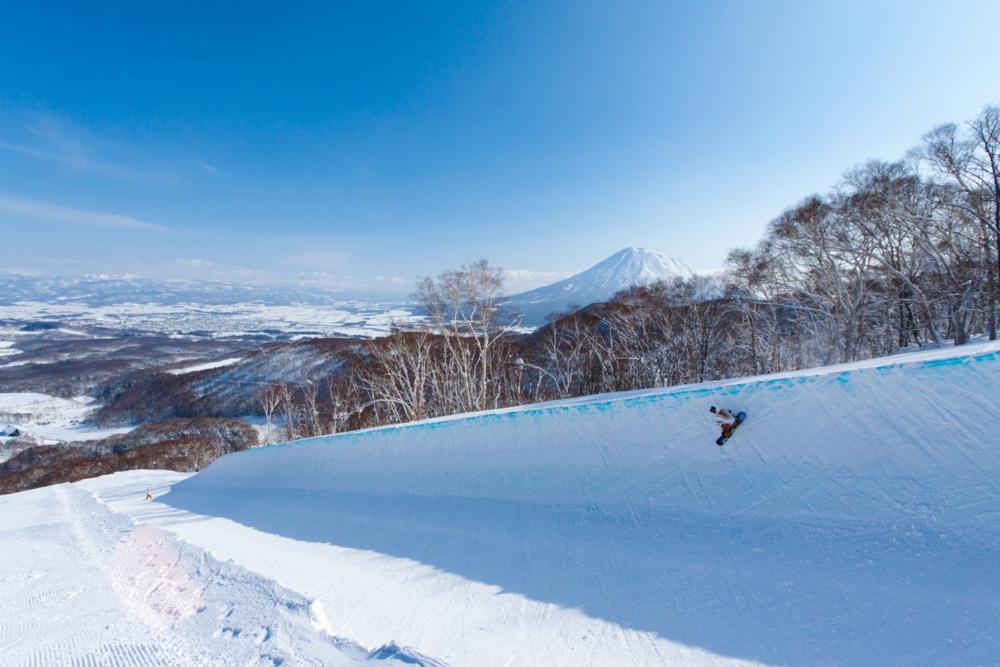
{"type": "Point", "coordinates": [40, 210]}
{"type": "Point", "coordinates": [319, 260]}
{"type": "Point", "coordinates": [209, 168]}
{"type": "Point", "coordinates": [51, 139]}
{"type": "Point", "coordinates": [207, 269]}
{"type": "Point", "coordinates": [521, 280]}
{"type": "Point", "coordinates": [80, 162]}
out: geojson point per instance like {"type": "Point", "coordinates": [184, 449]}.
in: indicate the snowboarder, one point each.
{"type": "Point", "coordinates": [149, 494]}
{"type": "Point", "coordinates": [728, 421]}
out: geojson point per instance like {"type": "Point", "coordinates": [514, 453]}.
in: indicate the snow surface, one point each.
{"type": "Point", "coordinates": [7, 348]}
{"type": "Point", "coordinates": [851, 520]}
{"type": "Point", "coordinates": [51, 418]}
{"type": "Point", "coordinates": [221, 363]}
{"type": "Point", "coordinates": [347, 318]}
{"type": "Point", "coordinates": [83, 585]}
{"type": "Point", "coordinates": [626, 268]}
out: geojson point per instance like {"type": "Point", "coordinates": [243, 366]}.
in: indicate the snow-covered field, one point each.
{"type": "Point", "coordinates": [7, 348]}
{"type": "Point", "coordinates": [851, 520]}
{"type": "Point", "coordinates": [50, 418]}
{"type": "Point", "coordinates": [182, 308]}
{"type": "Point", "coordinates": [349, 318]}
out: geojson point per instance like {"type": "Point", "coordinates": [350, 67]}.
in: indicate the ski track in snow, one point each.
{"type": "Point", "coordinates": [852, 520]}
{"type": "Point", "coordinates": [84, 585]}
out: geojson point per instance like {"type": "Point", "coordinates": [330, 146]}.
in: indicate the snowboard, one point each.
{"type": "Point", "coordinates": [740, 418]}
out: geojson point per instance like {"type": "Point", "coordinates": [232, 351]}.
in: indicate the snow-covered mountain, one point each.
{"type": "Point", "coordinates": [626, 268]}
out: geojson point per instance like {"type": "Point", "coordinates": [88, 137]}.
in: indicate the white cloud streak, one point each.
{"type": "Point", "coordinates": [50, 138]}
{"type": "Point", "coordinates": [521, 280]}
{"type": "Point", "coordinates": [209, 168]}
{"type": "Point", "coordinates": [40, 210]}
{"type": "Point", "coordinates": [81, 162]}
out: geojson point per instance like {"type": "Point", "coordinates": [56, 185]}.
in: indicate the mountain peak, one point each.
{"type": "Point", "coordinates": [635, 250]}
{"type": "Point", "coordinates": [626, 268]}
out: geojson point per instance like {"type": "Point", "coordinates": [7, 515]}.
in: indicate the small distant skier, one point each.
{"type": "Point", "coordinates": [149, 494]}
{"type": "Point", "coordinates": [728, 421]}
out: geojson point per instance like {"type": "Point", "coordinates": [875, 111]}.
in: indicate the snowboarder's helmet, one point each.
{"type": "Point", "coordinates": [712, 409]}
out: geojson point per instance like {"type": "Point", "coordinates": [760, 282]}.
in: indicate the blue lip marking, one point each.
{"type": "Point", "coordinates": [605, 405]}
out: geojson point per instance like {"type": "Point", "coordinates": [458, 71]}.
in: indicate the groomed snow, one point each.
{"type": "Point", "coordinates": [83, 585]}
{"type": "Point", "coordinates": [221, 363]}
{"type": "Point", "coordinates": [851, 520]}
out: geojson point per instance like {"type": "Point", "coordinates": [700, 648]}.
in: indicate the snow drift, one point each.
{"type": "Point", "coordinates": [852, 519]}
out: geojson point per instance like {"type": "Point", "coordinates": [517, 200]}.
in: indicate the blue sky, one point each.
{"type": "Point", "coordinates": [363, 144]}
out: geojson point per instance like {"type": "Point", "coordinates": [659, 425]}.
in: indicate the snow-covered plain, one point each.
{"type": "Point", "coordinates": [52, 419]}
{"type": "Point", "coordinates": [183, 307]}
{"type": "Point", "coordinates": [348, 318]}
{"type": "Point", "coordinates": [851, 520]}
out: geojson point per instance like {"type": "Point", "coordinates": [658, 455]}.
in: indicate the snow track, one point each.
{"type": "Point", "coordinates": [58, 607]}
{"type": "Point", "coordinates": [83, 585]}
{"type": "Point", "coordinates": [852, 520]}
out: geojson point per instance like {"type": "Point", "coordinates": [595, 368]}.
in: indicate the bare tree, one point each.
{"type": "Point", "coordinates": [464, 308]}
{"type": "Point", "coordinates": [290, 410]}
{"type": "Point", "coordinates": [399, 376]}
{"type": "Point", "coordinates": [312, 423]}
{"type": "Point", "coordinates": [269, 399]}
{"type": "Point", "coordinates": [970, 160]}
